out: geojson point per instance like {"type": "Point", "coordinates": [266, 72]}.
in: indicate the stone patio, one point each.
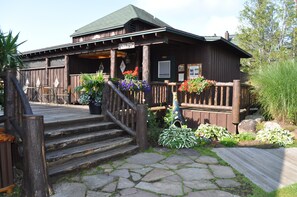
{"type": "Point", "coordinates": [158, 173]}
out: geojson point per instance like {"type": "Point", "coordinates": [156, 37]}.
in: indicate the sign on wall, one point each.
{"type": "Point", "coordinates": [194, 70]}
{"type": "Point", "coordinates": [127, 45]}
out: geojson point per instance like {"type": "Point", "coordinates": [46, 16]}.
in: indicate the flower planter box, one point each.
{"type": "Point", "coordinates": [6, 170]}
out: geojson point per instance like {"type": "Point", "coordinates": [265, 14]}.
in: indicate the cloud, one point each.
{"type": "Point", "coordinates": [203, 17]}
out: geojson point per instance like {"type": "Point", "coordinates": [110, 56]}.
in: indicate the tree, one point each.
{"type": "Point", "coordinates": [267, 31]}
{"type": "Point", "coordinates": [9, 55]}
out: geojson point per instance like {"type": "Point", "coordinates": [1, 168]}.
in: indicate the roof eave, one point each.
{"type": "Point", "coordinates": [218, 38]}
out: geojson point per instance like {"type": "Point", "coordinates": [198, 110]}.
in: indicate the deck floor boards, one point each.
{"type": "Point", "coordinates": [57, 113]}
{"type": "Point", "coordinates": [270, 169]}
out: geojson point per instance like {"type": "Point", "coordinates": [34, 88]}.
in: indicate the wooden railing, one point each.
{"type": "Point", "coordinates": [129, 116]}
{"type": "Point", "coordinates": [219, 96]}
{"type": "Point", "coordinates": [20, 121]}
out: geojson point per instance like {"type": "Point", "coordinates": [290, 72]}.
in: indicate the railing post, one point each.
{"type": "Point", "coordinates": [35, 172]}
{"type": "Point", "coordinates": [236, 103]}
{"type": "Point", "coordinates": [9, 103]}
{"type": "Point", "coordinates": [141, 126]}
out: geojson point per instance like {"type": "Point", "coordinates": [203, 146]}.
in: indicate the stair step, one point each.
{"type": "Point", "coordinates": [75, 129]}
{"type": "Point", "coordinates": [74, 121]}
{"type": "Point", "coordinates": [79, 139]}
{"type": "Point", "coordinates": [90, 160]}
{"type": "Point", "coordinates": [63, 155]}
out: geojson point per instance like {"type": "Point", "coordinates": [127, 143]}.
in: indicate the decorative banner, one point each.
{"type": "Point", "coordinates": [56, 83]}
{"type": "Point", "coordinates": [123, 66]}
{"type": "Point", "coordinates": [38, 83]}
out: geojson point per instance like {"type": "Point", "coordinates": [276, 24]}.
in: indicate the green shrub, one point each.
{"type": "Point", "coordinates": [212, 132]}
{"type": "Point", "coordinates": [246, 136]}
{"type": "Point", "coordinates": [229, 141]}
{"type": "Point", "coordinates": [169, 117]}
{"type": "Point", "coordinates": [175, 137]}
{"type": "Point", "coordinates": [277, 136]}
{"type": "Point", "coordinates": [276, 90]}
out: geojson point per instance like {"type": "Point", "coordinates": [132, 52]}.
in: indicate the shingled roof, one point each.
{"type": "Point", "coordinates": [118, 19]}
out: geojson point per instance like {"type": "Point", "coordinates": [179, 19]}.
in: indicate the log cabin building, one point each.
{"type": "Point", "coordinates": [127, 38]}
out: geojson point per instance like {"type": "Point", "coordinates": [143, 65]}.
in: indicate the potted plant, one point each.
{"type": "Point", "coordinates": [91, 89]}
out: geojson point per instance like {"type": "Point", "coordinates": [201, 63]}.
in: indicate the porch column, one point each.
{"type": "Point", "coordinates": [146, 63]}
{"type": "Point", "coordinates": [113, 62]}
{"type": "Point", "coordinates": [47, 62]}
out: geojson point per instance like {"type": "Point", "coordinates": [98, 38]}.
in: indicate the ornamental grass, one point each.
{"type": "Point", "coordinates": [275, 86]}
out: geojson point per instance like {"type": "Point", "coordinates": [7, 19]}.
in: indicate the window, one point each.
{"type": "Point", "coordinates": [164, 69]}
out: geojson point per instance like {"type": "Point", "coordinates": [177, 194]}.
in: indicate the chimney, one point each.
{"type": "Point", "coordinates": [227, 35]}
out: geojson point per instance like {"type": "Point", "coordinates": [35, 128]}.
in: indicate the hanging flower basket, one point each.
{"type": "Point", "coordinates": [197, 85]}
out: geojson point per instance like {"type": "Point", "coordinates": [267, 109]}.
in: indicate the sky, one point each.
{"type": "Point", "coordinates": [45, 23]}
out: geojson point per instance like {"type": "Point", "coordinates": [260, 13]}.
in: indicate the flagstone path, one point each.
{"type": "Point", "coordinates": [159, 173]}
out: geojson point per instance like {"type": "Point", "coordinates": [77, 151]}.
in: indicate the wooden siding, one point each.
{"type": "Point", "coordinates": [6, 171]}
{"type": "Point", "coordinates": [223, 65]}
{"type": "Point", "coordinates": [195, 117]}
{"type": "Point", "coordinates": [99, 35]}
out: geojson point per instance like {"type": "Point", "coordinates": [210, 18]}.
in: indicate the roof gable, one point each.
{"type": "Point", "coordinates": [118, 19]}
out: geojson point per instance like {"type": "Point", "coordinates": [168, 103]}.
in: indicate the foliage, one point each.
{"type": "Point", "coordinates": [196, 85]}
{"type": "Point", "coordinates": [130, 82]}
{"type": "Point", "coordinates": [169, 117]}
{"type": "Point", "coordinates": [267, 31]}
{"type": "Point", "coordinates": [229, 141]}
{"type": "Point", "coordinates": [9, 57]}
{"type": "Point", "coordinates": [153, 127]}
{"type": "Point", "coordinates": [276, 90]}
{"type": "Point", "coordinates": [91, 88]}
{"type": "Point", "coordinates": [212, 132]}
{"type": "Point", "coordinates": [277, 136]}
{"type": "Point", "coordinates": [246, 136]}
{"type": "Point", "coordinates": [175, 137]}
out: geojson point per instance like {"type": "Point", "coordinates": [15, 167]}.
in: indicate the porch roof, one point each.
{"type": "Point", "coordinates": [131, 36]}
{"type": "Point", "coordinates": [112, 38]}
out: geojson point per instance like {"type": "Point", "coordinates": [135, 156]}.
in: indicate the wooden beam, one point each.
{"type": "Point", "coordinates": [113, 69]}
{"type": "Point", "coordinates": [146, 63]}
{"type": "Point", "coordinates": [47, 64]}
{"type": "Point", "coordinates": [236, 102]}
{"type": "Point", "coordinates": [66, 71]}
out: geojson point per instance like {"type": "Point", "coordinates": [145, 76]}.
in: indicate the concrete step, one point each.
{"type": "Point", "coordinates": [61, 156]}
{"type": "Point", "coordinates": [80, 139]}
{"type": "Point", "coordinates": [65, 129]}
{"type": "Point", "coordinates": [91, 160]}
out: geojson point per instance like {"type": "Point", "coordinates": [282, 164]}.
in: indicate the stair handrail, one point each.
{"type": "Point", "coordinates": [130, 117]}
{"type": "Point", "coordinates": [117, 105]}
{"type": "Point", "coordinates": [29, 130]}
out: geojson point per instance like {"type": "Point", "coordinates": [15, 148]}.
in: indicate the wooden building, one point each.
{"type": "Point", "coordinates": [122, 40]}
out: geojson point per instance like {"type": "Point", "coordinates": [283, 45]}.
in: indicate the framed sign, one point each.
{"type": "Point", "coordinates": [181, 68]}
{"type": "Point", "coordinates": [194, 70]}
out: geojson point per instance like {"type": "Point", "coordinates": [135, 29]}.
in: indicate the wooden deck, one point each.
{"type": "Point", "coordinates": [57, 113]}
{"type": "Point", "coordinates": [270, 169]}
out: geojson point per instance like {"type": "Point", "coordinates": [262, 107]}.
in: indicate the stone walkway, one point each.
{"type": "Point", "coordinates": [159, 173]}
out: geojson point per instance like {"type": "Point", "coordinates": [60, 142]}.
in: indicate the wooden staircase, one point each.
{"type": "Point", "coordinates": [80, 143]}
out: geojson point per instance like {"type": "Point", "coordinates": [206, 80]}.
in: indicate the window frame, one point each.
{"type": "Point", "coordinates": [169, 71]}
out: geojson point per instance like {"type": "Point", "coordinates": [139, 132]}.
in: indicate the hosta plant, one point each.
{"type": "Point", "coordinates": [277, 136]}
{"type": "Point", "coordinates": [175, 137]}
{"type": "Point", "coordinates": [212, 132]}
